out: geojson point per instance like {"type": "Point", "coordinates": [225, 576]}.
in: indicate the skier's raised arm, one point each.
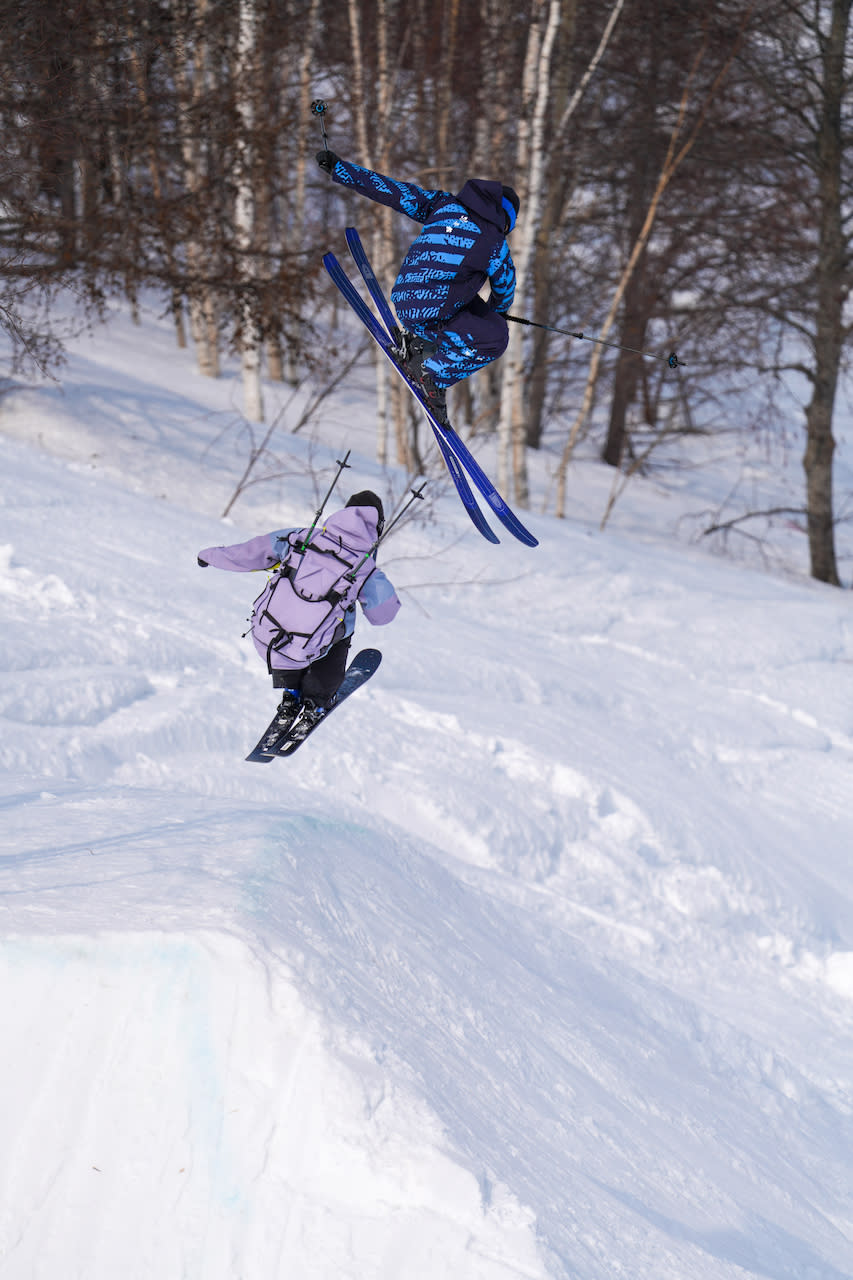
{"type": "Point", "coordinates": [405, 197]}
{"type": "Point", "coordinates": [242, 557]}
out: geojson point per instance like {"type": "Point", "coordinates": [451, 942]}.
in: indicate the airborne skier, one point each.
{"type": "Point", "coordinates": [436, 294]}
{"type": "Point", "coordinates": [303, 621]}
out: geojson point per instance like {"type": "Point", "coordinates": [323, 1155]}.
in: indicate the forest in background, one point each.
{"type": "Point", "coordinates": [685, 173]}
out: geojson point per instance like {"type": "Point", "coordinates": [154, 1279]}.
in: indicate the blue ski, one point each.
{"type": "Point", "coordinates": [385, 341]}
{"type": "Point", "coordinates": [375, 289]}
{"type": "Point", "coordinates": [450, 437]}
{"type": "Point", "coordinates": [454, 451]}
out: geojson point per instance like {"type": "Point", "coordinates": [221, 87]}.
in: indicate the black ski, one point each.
{"type": "Point", "coordinates": [275, 745]}
{"type": "Point", "coordinates": [269, 742]}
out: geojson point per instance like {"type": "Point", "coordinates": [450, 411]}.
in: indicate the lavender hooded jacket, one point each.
{"type": "Point", "coordinates": [353, 531]}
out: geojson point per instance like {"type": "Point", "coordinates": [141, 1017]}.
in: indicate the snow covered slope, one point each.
{"type": "Point", "coordinates": [537, 961]}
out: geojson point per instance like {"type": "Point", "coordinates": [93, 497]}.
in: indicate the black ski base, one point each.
{"type": "Point", "coordinates": [272, 746]}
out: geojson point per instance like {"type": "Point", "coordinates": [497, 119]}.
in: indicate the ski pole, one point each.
{"type": "Point", "coordinates": [319, 512]}
{"type": "Point", "coordinates": [319, 108]}
{"type": "Point", "coordinates": [672, 359]}
{"type": "Point", "coordinates": [416, 493]}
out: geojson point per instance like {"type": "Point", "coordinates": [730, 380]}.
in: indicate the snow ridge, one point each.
{"type": "Point", "coordinates": [538, 961]}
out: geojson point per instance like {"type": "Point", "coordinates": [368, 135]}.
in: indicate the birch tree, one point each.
{"type": "Point", "coordinates": [545, 189]}
{"type": "Point", "coordinates": [545, 21]}
{"type": "Point", "coordinates": [244, 208]}
{"type": "Point", "coordinates": [192, 78]}
{"type": "Point", "coordinates": [309, 30]}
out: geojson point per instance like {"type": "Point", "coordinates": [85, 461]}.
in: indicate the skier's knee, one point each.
{"type": "Point", "coordinates": [501, 340]}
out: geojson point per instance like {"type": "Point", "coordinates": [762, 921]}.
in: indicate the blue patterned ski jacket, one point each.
{"type": "Point", "coordinates": [461, 246]}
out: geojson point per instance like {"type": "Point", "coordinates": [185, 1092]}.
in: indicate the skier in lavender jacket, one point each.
{"type": "Point", "coordinates": [303, 640]}
{"type": "Point", "coordinates": [436, 294]}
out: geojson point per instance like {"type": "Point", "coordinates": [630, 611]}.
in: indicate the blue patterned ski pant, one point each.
{"type": "Point", "coordinates": [472, 339]}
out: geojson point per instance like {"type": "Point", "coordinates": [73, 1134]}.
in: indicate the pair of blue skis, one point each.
{"type": "Point", "coordinates": [456, 454]}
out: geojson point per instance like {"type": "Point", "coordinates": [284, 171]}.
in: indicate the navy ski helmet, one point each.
{"type": "Point", "coordinates": [367, 498]}
{"type": "Point", "coordinates": [510, 203]}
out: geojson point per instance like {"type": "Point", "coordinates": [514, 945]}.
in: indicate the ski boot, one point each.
{"type": "Point", "coordinates": [435, 398]}
{"type": "Point", "coordinates": [312, 714]}
{"type": "Point", "coordinates": [412, 350]}
{"type": "Point", "coordinates": [411, 353]}
{"type": "Point", "coordinates": [288, 710]}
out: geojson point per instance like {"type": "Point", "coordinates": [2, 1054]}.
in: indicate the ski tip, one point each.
{"type": "Point", "coordinates": [367, 658]}
{"type": "Point", "coordinates": [510, 520]}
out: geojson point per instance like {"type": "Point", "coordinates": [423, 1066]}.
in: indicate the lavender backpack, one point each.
{"type": "Point", "coordinates": [302, 610]}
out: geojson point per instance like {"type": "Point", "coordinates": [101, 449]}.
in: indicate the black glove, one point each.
{"type": "Point", "coordinates": [202, 564]}
{"type": "Point", "coordinates": [327, 160]}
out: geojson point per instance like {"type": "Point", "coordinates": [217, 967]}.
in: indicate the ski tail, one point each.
{"type": "Point", "coordinates": [374, 288]}
{"type": "Point", "coordinates": [463, 488]}
{"type": "Point", "coordinates": [499, 505]}
{"type": "Point", "coordinates": [354, 298]}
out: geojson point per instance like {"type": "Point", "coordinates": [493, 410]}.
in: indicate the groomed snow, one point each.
{"type": "Point", "coordinates": [536, 961]}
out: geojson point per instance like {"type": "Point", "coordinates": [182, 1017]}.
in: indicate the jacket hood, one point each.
{"type": "Point", "coordinates": [484, 199]}
{"type": "Point", "coordinates": [355, 526]}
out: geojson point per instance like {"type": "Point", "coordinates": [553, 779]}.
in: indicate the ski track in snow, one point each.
{"type": "Point", "coordinates": [538, 960]}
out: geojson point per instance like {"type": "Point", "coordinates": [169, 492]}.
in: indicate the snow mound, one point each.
{"type": "Point", "coordinates": [173, 1109]}
{"type": "Point", "coordinates": [535, 960]}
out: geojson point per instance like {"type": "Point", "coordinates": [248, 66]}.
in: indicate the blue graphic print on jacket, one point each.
{"type": "Point", "coordinates": [462, 245]}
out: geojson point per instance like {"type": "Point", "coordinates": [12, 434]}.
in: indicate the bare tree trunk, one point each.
{"type": "Point", "coordinates": [544, 283]}
{"type": "Point", "coordinates": [360, 114]}
{"type": "Point", "coordinates": [628, 363]}
{"type": "Point", "coordinates": [491, 125]}
{"type": "Point", "coordinates": [298, 209]}
{"type": "Point", "coordinates": [490, 154]}
{"type": "Point", "coordinates": [244, 210]}
{"type": "Point", "coordinates": [635, 311]}
{"type": "Point", "coordinates": [383, 235]}
{"type": "Point", "coordinates": [544, 23]}
{"type": "Point", "coordinates": [265, 226]}
{"type": "Point", "coordinates": [828, 341]}
{"type": "Point", "coordinates": [359, 87]}
{"type": "Point", "coordinates": [154, 167]}
{"type": "Point", "coordinates": [535, 99]}
{"type": "Point", "coordinates": [202, 305]}
{"type": "Point", "coordinates": [449, 28]}
{"type": "Point", "coordinates": [674, 157]}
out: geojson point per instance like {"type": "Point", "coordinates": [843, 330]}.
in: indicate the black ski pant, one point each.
{"type": "Point", "coordinates": [320, 680]}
